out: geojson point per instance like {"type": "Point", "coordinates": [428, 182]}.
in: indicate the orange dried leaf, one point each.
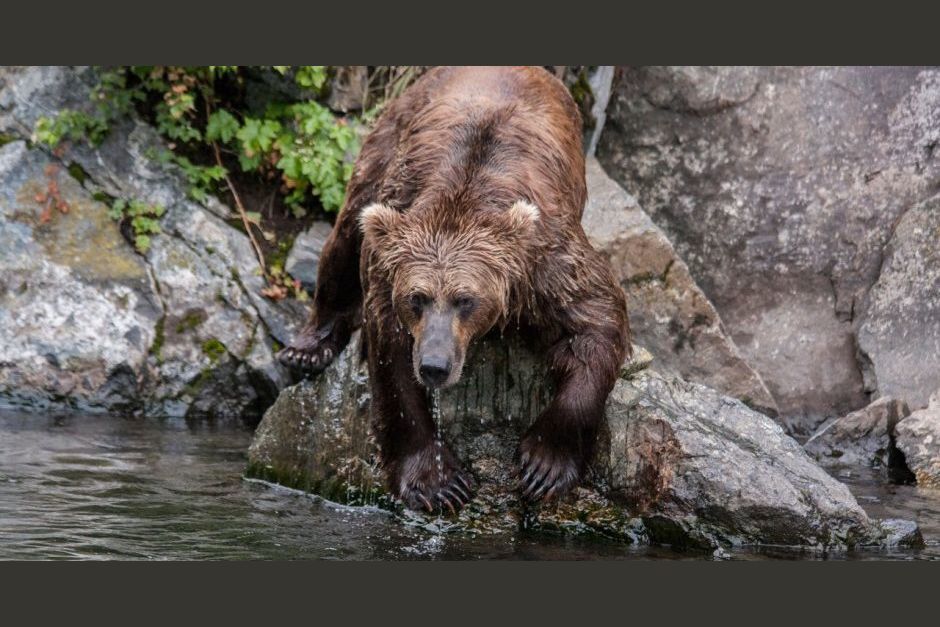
{"type": "Point", "coordinates": [46, 213]}
{"type": "Point", "coordinates": [274, 292]}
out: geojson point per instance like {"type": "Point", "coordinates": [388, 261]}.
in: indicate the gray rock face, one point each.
{"type": "Point", "coordinates": [900, 325]}
{"type": "Point", "coordinates": [669, 314]}
{"type": "Point", "coordinates": [182, 330]}
{"type": "Point", "coordinates": [680, 463]}
{"type": "Point", "coordinates": [349, 88]}
{"type": "Point", "coordinates": [779, 188]}
{"type": "Point", "coordinates": [78, 310]}
{"type": "Point", "coordinates": [304, 257]}
{"type": "Point", "coordinates": [918, 437]}
{"type": "Point", "coordinates": [864, 437]}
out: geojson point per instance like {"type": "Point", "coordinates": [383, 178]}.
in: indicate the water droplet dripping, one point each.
{"type": "Point", "coordinates": [436, 414]}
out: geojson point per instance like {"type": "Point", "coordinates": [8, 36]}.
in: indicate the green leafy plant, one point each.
{"type": "Point", "coordinates": [144, 220]}
{"type": "Point", "coordinates": [312, 155]}
{"type": "Point", "coordinates": [311, 76]}
{"type": "Point", "coordinates": [110, 98]}
{"type": "Point", "coordinates": [219, 137]}
{"type": "Point", "coordinates": [303, 142]}
{"type": "Point", "coordinates": [72, 125]}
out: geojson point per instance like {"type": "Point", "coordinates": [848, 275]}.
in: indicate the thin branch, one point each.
{"type": "Point", "coordinates": [241, 211]}
{"type": "Point", "coordinates": [238, 201]}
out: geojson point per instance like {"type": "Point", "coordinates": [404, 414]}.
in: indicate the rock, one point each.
{"type": "Point", "coordinates": [918, 437]}
{"type": "Point", "coordinates": [198, 338]}
{"type": "Point", "coordinates": [703, 466]}
{"type": "Point", "coordinates": [262, 87]}
{"type": "Point", "coordinates": [600, 83]}
{"type": "Point", "coordinates": [779, 187]}
{"type": "Point", "coordinates": [348, 88]}
{"type": "Point", "coordinates": [900, 325]}
{"type": "Point", "coordinates": [680, 463]}
{"type": "Point", "coordinates": [304, 257]}
{"type": "Point", "coordinates": [901, 533]}
{"type": "Point", "coordinates": [669, 314]}
{"type": "Point", "coordinates": [863, 437]}
{"type": "Point", "coordinates": [78, 309]}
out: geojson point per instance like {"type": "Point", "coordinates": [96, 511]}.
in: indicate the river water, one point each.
{"type": "Point", "coordinates": [103, 487]}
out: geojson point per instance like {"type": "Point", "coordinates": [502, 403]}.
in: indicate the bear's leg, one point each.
{"type": "Point", "coordinates": [420, 468]}
{"type": "Point", "coordinates": [557, 449]}
{"type": "Point", "coordinates": [338, 298]}
{"type": "Point", "coordinates": [336, 302]}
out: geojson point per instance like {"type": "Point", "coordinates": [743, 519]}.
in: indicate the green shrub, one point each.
{"type": "Point", "coordinates": [302, 142]}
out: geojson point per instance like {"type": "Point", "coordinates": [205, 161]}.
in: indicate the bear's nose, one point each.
{"type": "Point", "coordinates": [434, 370]}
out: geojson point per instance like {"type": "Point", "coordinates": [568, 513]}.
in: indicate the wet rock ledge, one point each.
{"type": "Point", "coordinates": [679, 464]}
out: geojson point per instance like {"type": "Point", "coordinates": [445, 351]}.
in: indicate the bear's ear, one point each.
{"type": "Point", "coordinates": [377, 221]}
{"type": "Point", "coordinates": [523, 216]}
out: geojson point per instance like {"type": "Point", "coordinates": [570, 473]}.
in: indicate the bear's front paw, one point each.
{"type": "Point", "coordinates": [312, 351]}
{"type": "Point", "coordinates": [431, 479]}
{"type": "Point", "coordinates": [548, 469]}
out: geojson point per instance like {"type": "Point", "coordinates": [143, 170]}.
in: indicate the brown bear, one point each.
{"type": "Point", "coordinates": [464, 214]}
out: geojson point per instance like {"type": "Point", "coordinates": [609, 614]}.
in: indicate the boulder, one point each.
{"type": "Point", "coordinates": [864, 437]}
{"type": "Point", "coordinates": [918, 437]}
{"type": "Point", "coordinates": [78, 308]}
{"type": "Point", "coordinates": [304, 257]}
{"type": "Point", "coordinates": [669, 314]}
{"type": "Point", "coordinates": [780, 188]}
{"type": "Point", "coordinates": [180, 331]}
{"type": "Point", "coordinates": [679, 463]}
{"type": "Point", "coordinates": [899, 334]}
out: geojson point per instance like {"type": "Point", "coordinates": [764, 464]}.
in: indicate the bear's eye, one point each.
{"type": "Point", "coordinates": [418, 302]}
{"type": "Point", "coordinates": [465, 305]}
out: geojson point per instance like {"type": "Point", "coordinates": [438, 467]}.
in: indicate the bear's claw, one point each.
{"type": "Point", "coordinates": [546, 472]}
{"type": "Point", "coordinates": [425, 485]}
{"type": "Point", "coordinates": [424, 501]}
{"type": "Point", "coordinates": [450, 497]}
{"type": "Point", "coordinates": [310, 353]}
{"type": "Point", "coordinates": [305, 360]}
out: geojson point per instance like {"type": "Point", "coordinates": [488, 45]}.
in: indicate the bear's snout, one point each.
{"type": "Point", "coordinates": [434, 370]}
{"type": "Point", "coordinates": [436, 353]}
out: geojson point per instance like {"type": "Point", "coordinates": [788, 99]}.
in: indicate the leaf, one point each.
{"type": "Point", "coordinates": [275, 292]}
{"type": "Point", "coordinates": [311, 76]}
{"type": "Point", "coordinates": [46, 213]}
{"type": "Point", "coordinates": [249, 163]}
{"type": "Point", "coordinates": [257, 136]}
{"type": "Point", "coordinates": [222, 127]}
{"type": "Point", "coordinates": [142, 242]}
{"type": "Point", "coordinates": [116, 212]}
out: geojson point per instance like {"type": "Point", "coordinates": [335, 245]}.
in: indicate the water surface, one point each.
{"type": "Point", "coordinates": [104, 487]}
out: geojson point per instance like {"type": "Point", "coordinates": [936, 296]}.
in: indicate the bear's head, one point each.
{"type": "Point", "coordinates": [453, 276]}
